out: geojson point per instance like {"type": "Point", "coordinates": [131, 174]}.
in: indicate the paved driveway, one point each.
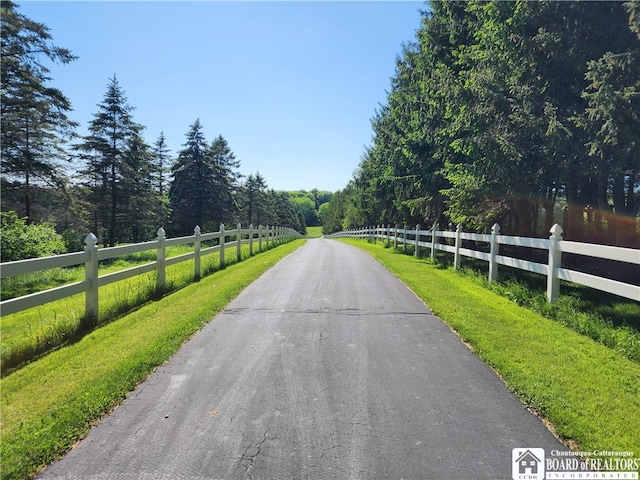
{"type": "Point", "coordinates": [325, 367]}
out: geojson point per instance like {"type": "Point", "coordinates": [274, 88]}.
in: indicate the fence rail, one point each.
{"type": "Point", "coordinates": [555, 246]}
{"type": "Point", "coordinates": [261, 238]}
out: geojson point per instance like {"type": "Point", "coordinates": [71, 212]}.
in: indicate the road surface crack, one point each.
{"type": "Point", "coordinates": [251, 453]}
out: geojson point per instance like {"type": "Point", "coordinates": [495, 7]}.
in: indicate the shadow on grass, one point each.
{"type": "Point", "coordinates": [58, 335]}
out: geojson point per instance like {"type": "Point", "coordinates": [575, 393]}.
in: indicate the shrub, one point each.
{"type": "Point", "coordinates": [19, 240]}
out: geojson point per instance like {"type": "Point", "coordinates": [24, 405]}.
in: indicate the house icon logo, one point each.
{"type": "Point", "coordinates": [527, 464]}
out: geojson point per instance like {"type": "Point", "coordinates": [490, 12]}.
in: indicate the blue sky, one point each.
{"type": "Point", "coordinates": [292, 86]}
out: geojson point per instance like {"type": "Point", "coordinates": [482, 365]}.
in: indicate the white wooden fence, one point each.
{"type": "Point", "coordinates": [555, 246]}
{"type": "Point", "coordinates": [262, 238]}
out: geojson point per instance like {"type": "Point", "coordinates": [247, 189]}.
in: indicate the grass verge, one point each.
{"type": "Point", "coordinates": [33, 332]}
{"type": "Point", "coordinates": [49, 404]}
{"type": "Point", "coordinates": [605, 318]}
{"type": "Point", "coordinates": [589, 392]}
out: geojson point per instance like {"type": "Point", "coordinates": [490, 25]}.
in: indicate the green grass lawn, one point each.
{"type": "Point", "coordinates": [590, 393]}
{"type": "Point", "coordinates": [50, 403]}
{"type": "Point", "coordinates": [32, 332]}
{"type": "Point", "coordinates": [314, 232]}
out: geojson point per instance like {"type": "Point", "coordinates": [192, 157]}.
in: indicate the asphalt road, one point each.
{"type": "Point", "coordinates": [326, 367]}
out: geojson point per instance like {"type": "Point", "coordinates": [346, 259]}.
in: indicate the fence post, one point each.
{"type": "Point", "coordinates": [91, 276]}
{"type": "Point", "coordinates": [196, 251]}
{"type": "Point", "coordinates": [416, 252]}
{"type": "Point", "coordinates": [251, 239]}
{"type": "Point", "coordinates": [434, 240]}
{"type": "Point", "coordinates": [160, 261]}
{"type": "Point", "coordinates": [404, 239]}
{"type": "Point", "coordinates": [493, 253]}
{"type": "Point", "coordinates": [239, 244]}
{"type": "Point", "coordinates": [395, 236]}
{"type": "Point", "coordinates": [222, 240]}
{"type": "Point", "coordinates": [555, 261]}
{"type": "Point", "coordinates": [388, 235]}
{"type": "Point", "coordinates": [456, 256]}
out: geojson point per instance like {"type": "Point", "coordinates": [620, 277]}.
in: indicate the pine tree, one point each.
{"type": "Point", "coordinates": [226, 180]}
{"type": "Point", "coordinates": [254, 192]}
{"type": "Point", "coordinates": [203, 184]}
{"type": "Point", "coordinates": [191, 192]}
{"type": "Point", "coordinates": [104, 151]}
{"type": "Point", "coordinates": [161, 158]}
{"type": "Point", "coordinates": [144, 208]}
{"type": "Point", "coordinates": [34, 123]}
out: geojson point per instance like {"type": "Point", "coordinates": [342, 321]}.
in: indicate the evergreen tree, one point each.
{"type": "Point", "coordinates": [190, 191]}
{"type": "Point", "coordinates": [144, 207]}
{"type": "Point", "coordinates": [499, 109]}
{"type": "Point", "coordinates": [161, 158]}
{"type": "Point", "coordinates": [226, 179]}
{"type": "Point", "coordinates": [104, 152]}
{"type": "Point", "coordinates": [253, 199]}
{"type": "Point", "coordinates": [203, 184]}
{"type": "Point", "coordinates": [280, 211]}
{"type": "Point", "coordinates": [34, 123]}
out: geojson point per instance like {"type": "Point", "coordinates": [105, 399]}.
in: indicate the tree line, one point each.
{"type": "Point", "coordinates": [521, 113]}
{"type": "Point", "coordinates": [111, 181]}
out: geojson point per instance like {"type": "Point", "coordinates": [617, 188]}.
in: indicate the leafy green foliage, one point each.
{"type": "Point", "coordinates": [19, 240]}
{"type": "Point", "coordinates": [500, 112]}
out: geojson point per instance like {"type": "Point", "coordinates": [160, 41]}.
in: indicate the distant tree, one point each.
{"type": "Point", "coordinates": [162, 162]}
{"type": "Point", "coordinates": [307, 208]}
{"type": "Point", "coordinates": [34, 123]}
{"type": "Point", "coordinates": [309, 203]}
{"type": "Point", "coordinates": [280, 211]}
{"type": "Point", "coordinates": [203, 184]}
{"type": "Point", "coordinates": [104, 152]}
{"type": "Point", "coordinates": [226, 179]}
{"type": "Point", "coordinates": [335, 213]}
{"type": "Point", "coordinates": [252, 203]}
{"type": "Point", "coordinates": [321, 197]}
{"type": "Point", "coordinates": [144, 208]}
{"type": "Point", "coordinates": [191, 192]}
{"type": "Point", "coordinates": [323, 212]}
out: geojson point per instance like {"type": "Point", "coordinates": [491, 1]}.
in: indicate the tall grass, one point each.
{"type": "Point", "coordinates": [26, 335]}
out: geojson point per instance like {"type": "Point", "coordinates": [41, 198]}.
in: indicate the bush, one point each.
{"type": "Point", "coordinates": [19, 240]}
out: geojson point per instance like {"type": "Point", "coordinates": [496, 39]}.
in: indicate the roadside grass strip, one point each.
{"type": "Point", "coordinates": [314, 232]}
{"type": "Point", "coordinates": [50, 404]}
{"type": "Point", "coordinates": [28, 334]}
{"type": "Point", "coordinates": [588, 392]}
